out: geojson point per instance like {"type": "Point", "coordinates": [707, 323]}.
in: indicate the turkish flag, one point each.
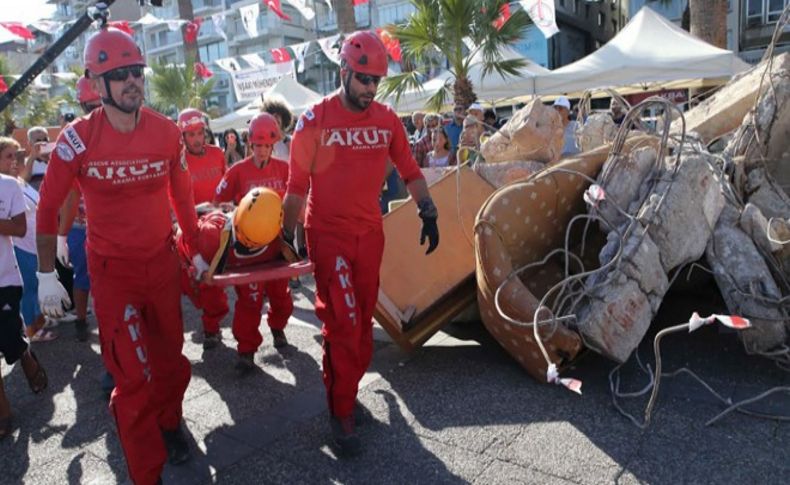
{"type": "Point", "coordinates": [504, 14]}
{"type": "Point", "coordinates": [3, 85]}
{"type": "Point", "coordinates": [281, 55]}
{"type": "Point", "coordinates": [202, 71]}
{"type": "Point", "coordinates": [192, 30]}
{"type": "Point", "coordinates": [360, 2]}
{"type": "Point", "coordinates": [274, 6]}
{"type": "Point", "coordinates": [18, 30]}
{"type": "Point", "coordinates": [122, 25]}
{"type": "Point", "coordinates": [391, 44]}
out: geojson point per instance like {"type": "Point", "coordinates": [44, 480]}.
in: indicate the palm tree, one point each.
{"type": "Point", "coordinates": [706, 19]}
{"type": "Point", "coordinates": [7, 117]}
{"type": "Point", "coordinates": [440, 27]}
{"type": "Point", "coordinates": [344, 13]}
{"type": "Point", "coordinates": [176, 87]}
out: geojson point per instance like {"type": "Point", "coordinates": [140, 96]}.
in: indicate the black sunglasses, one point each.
{"type": "Point", "coordinates": [367, 78]}
{"type": "Point", "coordinates": [122, 73]}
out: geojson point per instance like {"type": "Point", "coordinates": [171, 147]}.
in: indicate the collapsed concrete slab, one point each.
{"type": "Point", "coordinates": [623, 177]}
{"type": "Point", "coordinates": [598, 129]}
{"type": "Point", "coordinates": [725, 110]}
{"type": "Point", "coordinates": [535, 132]}
{"type": "Point", "coordinates": [746, 284]}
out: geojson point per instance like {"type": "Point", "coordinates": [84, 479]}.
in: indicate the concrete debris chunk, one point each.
{"type": "Point", "coordinates": [746, 284]}
{"type": "Point", "coordinates": [535, 132]}
{"type": "Point", "coordinates": [725, 110]}
{"type": "Point", "coordinates": [682, 219]}
{"type": "Point", "coordinates": [627, 173]}
{"type": "Point", "coordinates": [598, 129]}
{"type": "Point", "coordinates": [623, 299]}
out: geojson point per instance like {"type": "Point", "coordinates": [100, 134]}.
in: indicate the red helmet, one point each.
{"type": "Point", "coordinates": [191, 119]}
{"type": "Point", "coordinates": [363, 52]}
{"type": "Point", "coordinates": [110, 49]}
{"type": "Point", "coordinates": [85, 92]}
{"type": "Point", "coordinates": [264, 130]}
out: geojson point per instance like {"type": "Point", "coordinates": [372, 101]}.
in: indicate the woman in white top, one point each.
{"type": "Point", "coordinates": [440, 156]}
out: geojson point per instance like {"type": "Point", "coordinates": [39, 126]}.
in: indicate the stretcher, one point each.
{"type": "Point", "coordinates": [259, 273]}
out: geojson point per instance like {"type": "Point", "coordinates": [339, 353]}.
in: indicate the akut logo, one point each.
{"type": "Point", "coordinates": [125, 170]}
{"type": "Point", "coordinates": [356, 138]}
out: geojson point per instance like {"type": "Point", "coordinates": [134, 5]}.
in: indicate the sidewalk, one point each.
{"type": "Point", "coordinates": [457, 411]}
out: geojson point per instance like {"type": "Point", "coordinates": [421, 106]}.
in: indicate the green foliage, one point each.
{"type": "Point", "coordinates": [438, 28]}
{"type": "Point", "coordinates": [176, 87]}
{"type": "Point", "coordinates": [41, 111]}
{"type": "Point", "coordinates": [8, 118]}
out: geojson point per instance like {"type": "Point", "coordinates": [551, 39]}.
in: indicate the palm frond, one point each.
{"type": "Point", "coordinates": [399, 84]}
{"type": "Point", "coordinates": [440, 98]}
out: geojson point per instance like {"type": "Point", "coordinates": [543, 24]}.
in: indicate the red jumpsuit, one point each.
{"type": "Point", "coordinates": [129, 182]}
{"type": "Point", "coordinates": [207, 171]}
{"type": "Point", "coordinates": [238, 180]}
{"type": "Point", "coordinates": [247, 313]}
{"type": "Point", "coordinates": [341, 155]}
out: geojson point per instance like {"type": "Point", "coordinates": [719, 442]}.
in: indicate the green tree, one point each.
{"type": "Point", "coordinates": [12, 112]}
{"type": "Point", "coordinates": [439, 27]}
{"type": "Point", "coordinates": [176, 87]}
{"type": "Point", "coordinates": [41, 111]}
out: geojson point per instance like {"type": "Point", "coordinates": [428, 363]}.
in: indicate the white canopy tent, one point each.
{"type": "Point", "coordinates": [492, 87]}
{"type": "Point", "coordinates": [297, 97]}
{"type": "Point", "coordinates": [649, 50]}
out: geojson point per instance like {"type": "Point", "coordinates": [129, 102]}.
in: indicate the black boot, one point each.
{"type": "Point", "coordinates": [279, 339]}
{"type": "Point", "coordinates": [177, 446]}
{"type": "Point", "coordinates": [82, 330]}
{"type": "Point", "coordinates": [345, 437]}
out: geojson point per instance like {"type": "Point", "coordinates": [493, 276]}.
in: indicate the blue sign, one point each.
{"type": "Point", "coordinates": [534, 46]}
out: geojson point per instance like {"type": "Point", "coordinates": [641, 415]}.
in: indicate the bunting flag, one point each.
{"type": "Point", "coordinates": [18, 30]}
{"type": "Point", "coordinates": [274, 6]}
{"type": "Point", "coordinates": [47, 26]}
{"type": "Point", "coordinates": [202, 71]}
{"type": "Point", "coordinates": [249, 19]}
{"type": "Point", "coordinates": [299, 51]}
{"type": "Point", "coordinates": [390, 43]}
{"type": "Point", "coordinates": [329, 4]}
{"type": "Point", "coordinates": [174, 25]}
{"type": "Point", "coordinates": [150, 19]}
{"type": "Point", "coordinates": [281, 54]}
{"type": "Point", "coordinates": [254, 60]}
{"type": "Point", "coordinates": [331, 47]}
{"type": "Point", "coordinates": [122, 25]}
{"type": "Point", "coordinates": [192, 30]}
{"type": "Point", "coordinates": [360, 2]}
{"type": "Point", "coordinates": [229, 64]}
{"type": "Point", "coordinates": [504, 15]}
{"type": "Point", "coordinates": [3, 85]}
{"type": "Point", "coordinates": [218, 21]}
{"type": "Point", "coordinates": [301, 5]}
{"type": "Point", "coordinates": [542, 14]}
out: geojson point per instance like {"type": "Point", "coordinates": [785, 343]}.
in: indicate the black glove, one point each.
{"type": "Point", "coordinates": [287, 248]}
{"type": "Point", "coordinates": [430, 230]}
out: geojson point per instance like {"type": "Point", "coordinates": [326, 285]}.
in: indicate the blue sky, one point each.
{"type": "Point", "coordinates": [24, 10]}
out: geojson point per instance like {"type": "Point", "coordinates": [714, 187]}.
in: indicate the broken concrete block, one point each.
{"type": "Point", "coordinates": [682, 211]}
{"type": "Point", "coordinates": [624, 298]}
{"type": "Point", "coordinates": [745, 282]}
{"type": "Point", "coordinates": [535, 132]}
{"type": "Point", "coordinates": [725, 110]}
{"type": "Point", "coordinates": [754, 223]}
{"type": "Point", "coordinates": [624, 177]}
{"type": "Point", "coordinates": [503, 173]}
{"type": "Point", "coordinates": [598, 129]}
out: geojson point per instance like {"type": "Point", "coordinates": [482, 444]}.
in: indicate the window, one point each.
{"type": "Point", "coordinates": [576, 6]}
{"type": "Point", "coordinates": [587, 11]}
{"type": "Point", "coordinates": [392, 14]}
{"type": "Point", "coordinates": [759, 12]}
{"type": "Point", "coordinates": [601, 19]}
{"type": "Point", "coordinates": [213, 51]}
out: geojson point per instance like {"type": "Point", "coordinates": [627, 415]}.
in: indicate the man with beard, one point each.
{"type": "Point", "coordinates": [129, 163]}
{"type": "Point", "coordinates": [340, 150]}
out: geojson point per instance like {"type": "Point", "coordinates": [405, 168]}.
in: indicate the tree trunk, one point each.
{"type": "Point", "coordinates": [708, 20]}
{"type": "Point", "coordinates": [686, 19]}
{"type": "Point", "coordinates": [463, 92]}
{"type": "Point", "coordinates": [185, 12]}
{"type": "Point", "coordinates": [344, 12]}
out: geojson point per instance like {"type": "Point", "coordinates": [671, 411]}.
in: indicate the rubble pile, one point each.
{"type": "Point", "coordinates": [534, 133]}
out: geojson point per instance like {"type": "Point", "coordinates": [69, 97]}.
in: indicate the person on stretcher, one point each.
{"type": "Point", "coordinates": [245, 237]}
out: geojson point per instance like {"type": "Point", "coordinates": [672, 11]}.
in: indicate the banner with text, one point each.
{"type": "Point", "coordinates": [249, 84]}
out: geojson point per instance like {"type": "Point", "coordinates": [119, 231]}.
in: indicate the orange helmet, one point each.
{"type": "Point", "coordinates": [258, 218]}
{"type": "Point", "coordinates": [264, 130]}
{"type": "Point", "coordinates": [191, 119]}
{"type": "Point", "coordinates": [363, 52]}
{"type": "Point", "coordinates": [85, 92]}
{"type": "Point", "coordinates": [109, 49]}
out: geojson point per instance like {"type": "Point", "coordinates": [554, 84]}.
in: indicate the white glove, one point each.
{"type": "Point", "coordinates": [200, 266]}
{"type": "Point", "coordinates": [52, 297]}
{"type": "Point", "coordinates": [63, 251]}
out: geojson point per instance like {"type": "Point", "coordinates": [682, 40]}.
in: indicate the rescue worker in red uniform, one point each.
{"type": "Point", "coordinates": [340, 150]}
{"type": "Point", "coordinates": [248, 236]}
{"type": "Point", "coordinates": [259, 170]}
{"type": "Point", "coordinates": [129, 163]}
{"type": "Point", "coordinates": [206, 166]}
